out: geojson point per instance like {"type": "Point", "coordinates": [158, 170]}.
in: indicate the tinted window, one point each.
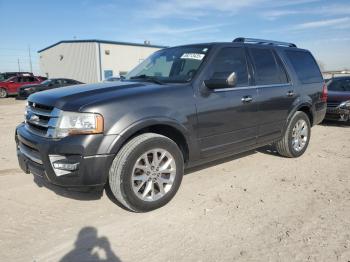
{"type": "Point", "coordinates": [342, 85]}
{"type": "Point", "coordinates": [266, 70]}
{"type": "Point", "coordinates": [21, 79]}
{"type": "Point", "coordinates": [282, 70]}
{"type": "Point", "coordinates": [228, 60]}
{"type": "Point", "coordinates": [305, 66]}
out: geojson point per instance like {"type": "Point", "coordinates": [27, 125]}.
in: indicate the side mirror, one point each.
{"type": "Point", "coordinates": [216, 83]}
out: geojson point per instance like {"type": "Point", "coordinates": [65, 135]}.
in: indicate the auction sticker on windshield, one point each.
{"type": "Point", "coordinates": [195, 56]}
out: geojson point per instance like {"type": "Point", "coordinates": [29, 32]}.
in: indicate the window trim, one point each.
{"type": "Point", "coordinates": [250, 87]}
{"type": "Point", "coordinates": [283, 63]}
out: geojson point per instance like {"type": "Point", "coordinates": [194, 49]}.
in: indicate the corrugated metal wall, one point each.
{"type": "Point", "coordinates": [78, 61]}
{"type": "Point", "coordinates": [123, 58]}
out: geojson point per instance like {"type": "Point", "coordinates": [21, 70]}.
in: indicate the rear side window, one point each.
{"type": "Point", "coordinates": [305, 66]}
{"type": "Point", "coordinates": [228, 60]}
{"type": "Point", "coordinates": [268, 68]}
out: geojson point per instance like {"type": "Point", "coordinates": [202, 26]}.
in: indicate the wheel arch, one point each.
{"type": "Point", "coordinates": [165, 127]}
{"type": "Point", "coordinates": [305, 107]}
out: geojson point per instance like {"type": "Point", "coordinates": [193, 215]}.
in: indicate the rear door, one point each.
{"type": "Point", "coordinates": [226, 123]}
{"type": "Point", "coordinates": [14, 84]}
{"type": "Point", "coordinates": [276, 93]}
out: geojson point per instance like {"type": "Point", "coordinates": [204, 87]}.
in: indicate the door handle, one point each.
{"type": "Point", "coordinates": [247, 99]}
{"type": "Point", "coordinates": [290, 93]}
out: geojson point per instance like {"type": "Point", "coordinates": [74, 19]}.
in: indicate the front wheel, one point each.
{"type": "Point", "coordinates": [296, 137]}
{"type": "Point", "coordinates": [3, 92]}
{"type": "Point", "coordinates": [147, 172]}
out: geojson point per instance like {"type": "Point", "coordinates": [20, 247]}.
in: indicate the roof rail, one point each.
{"type": "Point", "coordinates": [262, 42]}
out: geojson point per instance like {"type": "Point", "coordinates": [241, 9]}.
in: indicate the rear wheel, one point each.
{"type": "Point", "coordinates": [296, 137]}
{"type": "Point", "coordinates": [3, 92]}
{"type": "Point", "coordinates": [146, 173]}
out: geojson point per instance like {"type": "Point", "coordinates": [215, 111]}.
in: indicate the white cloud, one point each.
{"type": "Point", "coordinates": [325, 10]}
{"type": "Point", "coordinates": [184, 30]}
{"type": "Point", "coordinates": [322, 23]}
{"type": "Point", "coordinates": [192, 9]}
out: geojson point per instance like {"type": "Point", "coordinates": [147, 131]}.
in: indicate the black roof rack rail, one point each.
{"type": "Point", "coordinates": [262, 41]}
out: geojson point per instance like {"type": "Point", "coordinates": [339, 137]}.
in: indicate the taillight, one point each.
{"type": "Point", "coordinates": [324, 94]}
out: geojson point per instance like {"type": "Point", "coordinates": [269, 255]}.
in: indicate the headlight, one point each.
{"type": "Point", "coordinates": [71, 123]}
{"type": "Point", "coordinates": [345, 104]}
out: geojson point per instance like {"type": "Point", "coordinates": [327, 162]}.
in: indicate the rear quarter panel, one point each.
{"type": "Point", "coordinates": [305, 94]}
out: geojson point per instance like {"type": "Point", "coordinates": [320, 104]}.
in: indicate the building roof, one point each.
{"type": "Point", "coordinates": [102, 42]}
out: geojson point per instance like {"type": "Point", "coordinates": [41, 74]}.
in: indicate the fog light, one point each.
{"type": "Point", "coordinates": [65, 166]}
{"type": "Point", "coordinates": [62, 165]}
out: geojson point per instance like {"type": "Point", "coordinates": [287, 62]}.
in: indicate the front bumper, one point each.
{"type": "Point", "coordinates": [336, 113]}
{"type": "Point", "coordinates": [88, 151]}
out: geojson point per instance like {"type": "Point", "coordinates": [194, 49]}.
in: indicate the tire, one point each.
{"type": "Point", "coordinates": [131, 177]}
{"type": "Point", "coordinates": [296, 137]}
{"type": "Point", "coordinates": [3, 92]}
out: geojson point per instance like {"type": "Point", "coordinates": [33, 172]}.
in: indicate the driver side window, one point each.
{"type": "Point", "coordinates": [228, 60]}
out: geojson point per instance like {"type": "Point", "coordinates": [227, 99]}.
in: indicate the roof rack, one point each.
{"type": "Point", "coordinates": [262, 42]}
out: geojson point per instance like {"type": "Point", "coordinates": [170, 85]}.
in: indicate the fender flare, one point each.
{"type": "Point", "coordinates": [295, 109]}
{"type": "Point", "coordinates": [129, 131]}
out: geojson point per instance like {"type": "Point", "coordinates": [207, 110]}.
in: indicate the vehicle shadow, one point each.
{"type": "Point", "coordinates": [89, 247]}
{"type": "Point", "coordinates": [269, 150]}
{"type": "Point", "coordinates": [218, 162]}
{"type": "Point", "coordinates": [85, 195]}
{"type": "Point", "coordinates": [88, 195]}
{"type": "Point", "coordinates": [335, 123]}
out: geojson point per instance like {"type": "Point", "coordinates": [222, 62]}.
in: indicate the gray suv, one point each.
{"type": "Point", "coordinates": [181, 107]}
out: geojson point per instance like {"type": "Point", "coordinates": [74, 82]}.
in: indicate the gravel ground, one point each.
{"type": "Point", "coordinates": [255, 206]}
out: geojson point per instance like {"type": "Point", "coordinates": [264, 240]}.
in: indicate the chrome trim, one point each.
{"type": "Point", "coordinates": [250, 87]}
{"type": "Point", "coordinates": [31, 154]}
{"type": "Point", "coordinates": [47, 125]}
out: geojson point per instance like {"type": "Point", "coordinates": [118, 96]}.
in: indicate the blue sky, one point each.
{"type": "Point", "coordinates": [319, 25]}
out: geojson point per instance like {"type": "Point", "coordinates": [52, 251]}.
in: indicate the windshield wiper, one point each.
{"type": "Point", "coordinates": [148, 78]}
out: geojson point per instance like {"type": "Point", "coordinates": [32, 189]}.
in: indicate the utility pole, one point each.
{"type": "Point", "coordinates": [30, 60]}
{"type": "Point", "coordinates": [19, 66]}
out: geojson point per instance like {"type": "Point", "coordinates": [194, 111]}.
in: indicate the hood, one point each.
{"type": "Point", "coordinates": [74, 98]}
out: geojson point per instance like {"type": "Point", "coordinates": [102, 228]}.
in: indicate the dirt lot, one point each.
{"type": "Point", "coordinates": [252, 207]}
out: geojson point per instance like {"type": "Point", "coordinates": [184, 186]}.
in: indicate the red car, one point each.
{"type": "Point", "coordinates": [10, 86]}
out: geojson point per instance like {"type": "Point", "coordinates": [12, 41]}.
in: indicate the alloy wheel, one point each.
{"type": "Point", "coordinates": [300, 135]}
{"type": "Point", "coordinates": [153, 174]}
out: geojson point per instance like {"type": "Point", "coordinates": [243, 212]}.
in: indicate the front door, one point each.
{"type": "Point", "coordinates": [227, 119]}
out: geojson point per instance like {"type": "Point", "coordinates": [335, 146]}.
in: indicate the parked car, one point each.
{"type": "Point", "coordinates": [112, 79]}
{"type": "Point", "coordinates": [338, 104]}
{"type": "Point", "coordinates": [52, 83]}
{"type": "Point", "coordinates": [7, 75]}
{"type": "Point", "coordinates": [11, 85]}
{"type": "Point", "coordinates": [182, 107]}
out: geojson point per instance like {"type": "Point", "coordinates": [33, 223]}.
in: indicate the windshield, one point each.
{"type": "Point", "coordinates": [178, 64]}
{"type": "Point", "coordinates": [46, 82]}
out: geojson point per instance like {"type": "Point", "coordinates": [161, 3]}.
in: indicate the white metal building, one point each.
{"type": "Point", "coordinates": [91, 61]}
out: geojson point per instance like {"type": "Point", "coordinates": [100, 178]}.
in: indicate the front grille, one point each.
{"type": "Point", "coordinates": [333, 104]}
{"type": "Point", "coordinates": [30, 153]}
{"type": "Point", "coordinates": [41, 119]}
